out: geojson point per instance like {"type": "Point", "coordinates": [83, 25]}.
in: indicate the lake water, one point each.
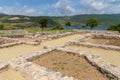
{"type": "Point", "coordinates": [85, 28]}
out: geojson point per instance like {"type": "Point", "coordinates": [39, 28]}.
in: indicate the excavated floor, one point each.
{"type": "Point", "coordinates": [114, 42]}
{"type": "Point", "coordinates": [26, 39]}
{"type": "Point", "coordinates": [70, 64]}
{"type": "Point", "coordinates": [1, 42]}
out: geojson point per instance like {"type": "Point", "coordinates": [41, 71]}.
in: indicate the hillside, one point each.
{"type": "Point", "coordinates": [76, 20]}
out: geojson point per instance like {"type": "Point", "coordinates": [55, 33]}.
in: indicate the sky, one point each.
{"type": "Point", "coordinates": [59, 7]}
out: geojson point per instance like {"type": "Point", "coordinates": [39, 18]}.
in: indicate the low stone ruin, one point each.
{"type": "Point", "coordinates": [97, 32]}
{"type": "Point", "coordinates": [105, 36]}
{"type": "Point", "coordinates": [83, 42]}
{"type": "Point", "coordinates": [33, 71]}
{"type": "Point", "coordinates": [51, 35]}
{"type": "Point", "coordinates": [9, 42]}
{"type": "Point", "coordinates": [108, 47]}
{"type": "Point", "coordinates": [13, 33]}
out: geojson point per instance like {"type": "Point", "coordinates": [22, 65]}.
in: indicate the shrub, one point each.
{"type": "Point", "coordinates": [114, 27]}
{"type": "Point", "coordinates": [1, 26]}
{"type": "Point", "coordinates": [58, 27]}
{"type": "Point", "coordinates": [68, 23]}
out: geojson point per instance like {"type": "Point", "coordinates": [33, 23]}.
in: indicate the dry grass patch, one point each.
{"type": "Point", "coordinates": [70, 64]}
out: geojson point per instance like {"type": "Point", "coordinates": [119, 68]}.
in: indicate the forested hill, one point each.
{"type": "Point", "coordinates": [76, 20]}
{"type": "Point", "coordinates": [104, 19]}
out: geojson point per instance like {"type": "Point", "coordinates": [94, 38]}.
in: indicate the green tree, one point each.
{"type": "Point", "coordinates": [114, 27]}
{"type": "Point", "coordinates": [43, 22]}
{"type": "Point", "coordinates": [92, 23]}
{"type": "Point", "coordinates": [68, 23]}
{"type": "Point", "coordinates": [1, 26]}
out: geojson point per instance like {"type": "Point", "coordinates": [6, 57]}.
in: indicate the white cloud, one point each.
{"type": "Point", "coordinates": [98, 5]}
{"type": "Point", "coordinates": [101, 6]}
{"type": "Point", "coordinates": [64, 7]}
{"type": "Point", "coordinates": [67, 7]}
{"type": "Point", "coordinates": [0, 8]}
{"type": "Point", "coordinates": [24, 10]}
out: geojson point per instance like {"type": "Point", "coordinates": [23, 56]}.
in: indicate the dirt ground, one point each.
{"type": "Point", "coordinates": [10, 74]}
{"type": "Point", "coordinates": [108, 55]}
{"type": "Point", "coordinates": [115, 42]}
{"type": "Point", "coordinates": [70, 64]}
{"type": "Point", "coordinates": [1, 42]}
{"type": "Point", "coordinates": [26, 39]}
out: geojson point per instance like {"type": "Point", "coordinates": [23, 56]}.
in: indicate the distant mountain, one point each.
{"type": "Point", "coordinates": [76, 20]}
{"type": "Point", "coordinates": [2, 15]}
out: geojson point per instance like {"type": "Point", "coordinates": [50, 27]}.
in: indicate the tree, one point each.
{"type": "Point", "coordinates": [68, 23]}
{"type": "Point", "coordinates": [114, 27]}
{"type": "Point", "coordinates": [92, 23]}
{"type": "Point", "coordinates": [1, 26]}
{"type": "Point", "coordinates": [43, 22]}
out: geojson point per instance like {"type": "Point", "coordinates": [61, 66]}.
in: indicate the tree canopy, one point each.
{"type": "Point", "coordinates": [92, 23]}
{"type": "Point", "coordinates": [43, 22]}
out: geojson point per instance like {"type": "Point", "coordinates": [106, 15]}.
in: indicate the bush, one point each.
{"type": "Point", "coordinates": [58, 27]}
{"type": "Point", "coordinates": [1, 26]}
{"type": "Point", "coordinates": [68, 23]}
{"type": "Point", "coordinates": [114, 27]}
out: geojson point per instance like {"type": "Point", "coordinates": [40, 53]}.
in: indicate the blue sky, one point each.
{"type": "Point", "coordinates": [59, 7]}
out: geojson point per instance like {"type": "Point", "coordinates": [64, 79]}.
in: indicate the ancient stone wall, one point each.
{"type": "Point", "coordinates": [33, 71]}
{"type": "Point", "coordinates": [105, 36]}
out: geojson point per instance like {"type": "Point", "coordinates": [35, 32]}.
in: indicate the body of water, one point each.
{"type": "Point", "coordinates": [85, 28]}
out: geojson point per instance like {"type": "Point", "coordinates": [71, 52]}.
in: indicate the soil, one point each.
{"type": "Point", "coordinates": [10, 74]}
{"type": "Point", "coordinates": [115, 42]}
{"type": "Point", "coordinates": [1, 42]}
{"type": "Point", "coordinates": [26, 39]}
{"type": "Point", "coordinates": [70, 64]}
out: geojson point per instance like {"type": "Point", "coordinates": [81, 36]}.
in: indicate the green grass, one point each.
{"type": "Point", "coordinates": [58, 30]}
{"type": "Point", "coordinates": [35, 30]}
{"type": "Point", "coordinates": [2, 33]}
